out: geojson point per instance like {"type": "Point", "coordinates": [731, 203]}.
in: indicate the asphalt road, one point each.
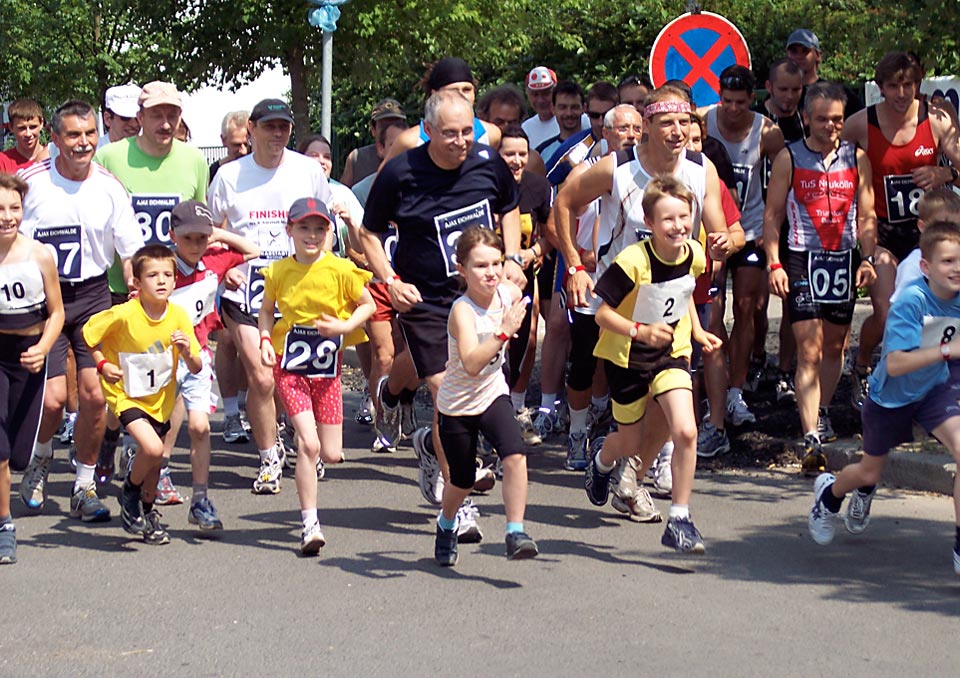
{"type": "Point", "coordinates": [604, 598]}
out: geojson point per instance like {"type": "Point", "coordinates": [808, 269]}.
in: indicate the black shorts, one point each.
{"type": "Point", "coordinates": [21, 401]}
{"type": "Point", "coordinates": [81, 301]}
{"type": "Point", "coordinates": [630, 387]}
{"type": "Point", "coordinates": [459, 434]}
{"type": "Point", "coordinates": [135, 413]}
{"type": "Point", "coordinates": [545, 276]}
{"type": "Point", "coordinates": [424, 329]}
{"type": "Point", "coordinates": [584, 333]}
{"type": "Point", "coordinates": [117, 299]}
{"type": "Point", "coordinates": [900, 238]}
{"type": "Point", "coordinates": [751, 256]}
{"type": "Point", "coordinates": [233, 310]}
{"type": "Point", "coordinates": [799, 301]}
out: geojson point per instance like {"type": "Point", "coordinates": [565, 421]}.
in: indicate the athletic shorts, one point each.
{"type": "Point", "coordinates": [381, 297]}
{"type": "Point", "coordinates": [21, 401]}
{"type": "Point", "coordinates": [197, 389]}
{"type": "Point", "coordinates": [584, 334]}
{"type": "Point", "coordinates": [233, 310]}
{"type": "Point", "coordinates": [886, 427]}
{"type": "Point", "coordinates": [751, 256]}
{"type": "Point", "coordinates": [322, 395]}
{"type": "Point", "coordinates": [799, 301]}
{"type": "Point", "coordinates": [900, 239]}
{"type": "Point", "coordinates": [128, 416]}
{"type": "Point", "coordinates": [632, 389]}
{"type": "Point", "coordinates": [459, 435]}
{"type": "Point", "coordinates": [81, 301]}
{"type": "Point", "coordinates": [424, 329]}
{"type": "Point", "coordinates": [117, 299]}
{"type": "Point", "coordinates": [545, 276]}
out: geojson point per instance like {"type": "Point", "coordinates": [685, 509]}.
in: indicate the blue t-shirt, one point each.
{"type": "Point", "coordinates": [917, 319]}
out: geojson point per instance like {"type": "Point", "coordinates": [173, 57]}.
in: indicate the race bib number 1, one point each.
{"type": "Point", "coordinates": [902, 197]}
{"type": "Point", "coordinates": [145, 374]}
{"type": "Point", "coordinates": [307, 353]}
{"type": "Point", "coordinates": [451, 224]}
{"type": "Point", "coordinates": [830, 276]}
{"type": "Point", "coordinates": [64, 244]}
{"type": "Point", "coordinates": [153, 216]}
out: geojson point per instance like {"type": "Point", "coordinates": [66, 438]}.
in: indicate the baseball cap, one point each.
{"type": "Point", "coordinates": [191, 216]}
{"type": "Point", "coordinates": [158, 92]}
{"type": "Point", "coordinates": [387, 108]}
{"type": "Point", "coordinates": [123, 100]}
{"type": "Point", "coordinates": [308, 207]}
{"type": "Point", "coordinates": [271, 109]}
{"type": "Point", "coordinates": [541, 77]}
{"type": "Point", "coordinates": [805, 37]}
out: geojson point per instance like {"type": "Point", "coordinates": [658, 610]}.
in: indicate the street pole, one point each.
{"type": "Point", "coordinates": [327, 74]}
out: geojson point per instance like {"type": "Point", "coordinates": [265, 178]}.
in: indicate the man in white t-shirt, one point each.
{"type": "Point", "coordinates": [542, 125]}
{"type": "Point", "coordinates": [120, 107]}
{"type": "Point", "coordinates": [251, 196]}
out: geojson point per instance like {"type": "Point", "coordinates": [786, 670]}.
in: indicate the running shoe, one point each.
{"type": "Point", "coordinates": [429, 478]}
{"type": "Point", "coordinates": [544, 422]}
{"type": "Point", "coordinates": [711, 441]}
{"type": "Point", "coordinates": [233, 430]}
{"type": "Point", "coordinates": [786, 391]}
{"type": "Point", "coordinates": [204, 515]}
{"type": "Point", "coordinates": [365, 411]}
{"type": "Point", "coordinates": [638, 507]}
{"type": "Point", "coordinates": [86, 505]}
{"type": "Point", "coordinates": [153, 532]}
{"type": "Point", "coordinates": [408, 420]}
{"type": "Point", "coordinates": [244, 421]}
{"type": "Point", "coordinates": [380, 446]}
{"type": "Point", "coordinates": [814, 460]}
{"type": "Point", "coordinates": [321, 469]}
{"type": "Point", "coordinates": [956, 562]}
{"type": "Point", "coordinates": [106, 461]}
{"type": "Point", "coordinates": [131, 509]}
{"type": "Point", "coordinates": [663, 478]}
{"type": "Point", "coordinates": [824, 427]}
{"type": "Point", "coordinates": [268, 480]}
{"type": "Point", "coordinates": [738, 413]}
{"type": "Point", "coordinates": [445, 547]}
{"type": "Point", "coordinates": [821, 521]}
{"type": "Point", "coordinates": [33, 485]}
{"type": "Point", "coordinates": [468, 531]}
{"type": "Point", "coordinates": [754, 375]}
{"type": "Point", "coordinates": [861, 386]}
{"type": "Point", "coordinates": [8, 543]}
{"type": "Point", "coordinates": [387, 418]}
{"type": "Point", "coordinates": [596, 483]}
{"type": "Point", "coordinates": [67, 427]}
{"type": "Point", "coordinates": [576, 451]}
{"type": "Point", "coordinates": [682, 535]}
{"type": "Point", "coordinates": [531, 438]}
{"type": "Point", "coordinates": [485, 480]}
{"type": "Point", "coordinates": [167, 493]}
{"type": "Point", "coordinates": [857, 516]}
{"type": "Point", "coordinates": [520, 546]}
{"type": "Point", "coordinates": [311, 540]}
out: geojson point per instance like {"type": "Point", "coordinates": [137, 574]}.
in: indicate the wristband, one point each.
{"type": "Point", "coordinates": [503, 336]}
{"type": "Point", "coordinates": [635, 330]}
{"type": "Point", "coordinates": [105, 361]}
{"type": "Point", "coordinates": [267, 339]}
{"type": "Point", "coordinates": [575, 269]}
{"type": "Point", "coordinates": [774, 267]}
{"type": "Point", "coordinates": [945, 351]}
{"type": "Point", "coordinates": [392, 279]}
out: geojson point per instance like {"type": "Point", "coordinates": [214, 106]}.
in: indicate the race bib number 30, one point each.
{"type": "Point", "coordinates": [664, 302]}
{"type": "Point", "coordinates": [902, 197]}
{"type": "Point", "coordinates": [307, 353]}
{"type": "Point", "coordinates": [451, 224]}
{"type": "Point", "coordinates": [64, 244]}
{"type": "Point", "coordinates": [145, 374]}
{"type": "Point", "coordinates": [153, 216]}
{"type": "Point", "coordinates": [830, 276]}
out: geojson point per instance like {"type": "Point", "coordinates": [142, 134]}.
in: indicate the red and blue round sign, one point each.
{"type": "Point", "coordinates": [696, 48]}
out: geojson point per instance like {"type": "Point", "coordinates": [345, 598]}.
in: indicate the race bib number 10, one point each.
{"type": "Point", "coordinates": [451, 224]}
{"type": "Point", "coordinates": [64, 244]}
{"type": "Point", "coordinates": [153, 216]}
{"type": "Point", "coordinates": [307, 353]}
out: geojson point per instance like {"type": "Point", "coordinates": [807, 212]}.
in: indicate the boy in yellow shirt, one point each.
{"type": "Point", "coordinates": [136, 346]}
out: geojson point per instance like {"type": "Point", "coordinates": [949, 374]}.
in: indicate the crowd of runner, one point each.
{"type": "Point", "coordinates": [133, 276]}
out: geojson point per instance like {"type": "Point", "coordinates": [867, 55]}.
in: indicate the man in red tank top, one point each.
{"type": "Point", "coordinates": [903, 138]}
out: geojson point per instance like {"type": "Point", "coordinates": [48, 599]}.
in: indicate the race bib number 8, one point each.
{"type": "Point", "coordinates": [153, 216]}
{"type": "Point", "coordinates": [307, 353]}
{"type": "Point", "coordinates": [902, 197]}
{"type": "Point", "coordinates": [451, 224]}
{"type": "Point", "coordinates": [664, 302]}
{"type": "Point", "coordinates": [829, 275]}
{"type": "Point", "coordinates": [938, 330]}
{"type": "Point", "coordinates": [64, 244]}
{"type": "Point", "coordinates": [145, 374]}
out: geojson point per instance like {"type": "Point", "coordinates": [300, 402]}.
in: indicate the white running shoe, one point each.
{"type": "Point", "coordinates": [738, 413]}
{"type": "Point", "coordinates": [822, 521]}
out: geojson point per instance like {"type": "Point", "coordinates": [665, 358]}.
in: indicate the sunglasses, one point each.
{"type": "Point", "coordinates": [594, 115]}
{"type": "Point", "coordinates": [736, 82]}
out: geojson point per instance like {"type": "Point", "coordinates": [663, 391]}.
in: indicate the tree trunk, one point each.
{"type": "Point", "coordinates": [298, 92]}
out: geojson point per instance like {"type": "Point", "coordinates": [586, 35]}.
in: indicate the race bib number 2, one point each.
{"type": "Point", "coordinates": [451, 224]}
{"type": "Point", "coordinates": [307, 353]}
{"type": "Point", "coordinates": [664, 302]}
{"type": "Point", "coordinates": [64, 244]}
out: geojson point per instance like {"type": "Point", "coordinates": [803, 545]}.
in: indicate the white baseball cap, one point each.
{"type": "Point", "coordinates": [124, 100]}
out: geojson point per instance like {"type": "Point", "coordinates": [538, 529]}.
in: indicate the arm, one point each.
{"type": "Point", "coordinates": [866, 220]}
{"type": "Point", "coordinates": [708, 340]}
{"type": "Point", "coordinates": [944, 128]}
{"type": "Point", "coordinates": [493, 133]}
{"type": "Point", "coordinates": [408, 139]}
{"type": "Point", "coordinates": [32, 359]}
{"type": "Point", "coordinates": [353, 233]}
{"type": "Point", "coordinates": [771, 140]}
{"type": "Point", "coordinates": [402, 295]}
{"type": "Point", "coordinates": [111, 373]}
{"type": "Point", "coordinates": [235, 241]}
{"type": "Point", "coordinates": [721, 240]}
{"type": "Point", "coordinates": [329, 326]}
{"type": "Point", "coordinates": [127, 267]}
{"type": "Point", "coordinates": [904, 362]}
{"type": "Point", "coordinates": [656, 335]}
{"type": "Point", "coordinates": [476, 355]}
{"type": "Point", "coordinates": [855, 129]}
{"type": "Point", "coordinates": [265, 321]}
{"type": "Point", "coordinates": [510, 227]}
{"type": "Point", "coordinates": [773, 215]}
{"type": "Point", "coordinates": [185, 343]}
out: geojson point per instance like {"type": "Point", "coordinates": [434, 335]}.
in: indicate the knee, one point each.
{"type": "Point", "coordinates": [199, 430]}
{"type": "Point", "coordinates": [91, 398]}
{"type": "Point", "coordinates": [686, 436]}
{"type": "Point", "coordinates": [261, 381]}
{"type": "Point", "coordinates": [309, 449]}
{"type": "Point", "coordinates": [152, 450]}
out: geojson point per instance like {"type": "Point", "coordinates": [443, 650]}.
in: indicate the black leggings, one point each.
{"type": "Point", "coordinates": [458, 435]}
{"type": "Point", "coordinates": [584, 334]}
{"type": "Point", "coordinates": [21, 401]}
{"type": "Point", "coordinates": [519, 344]}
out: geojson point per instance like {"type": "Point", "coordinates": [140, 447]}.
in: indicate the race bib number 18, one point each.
{"type": "Point", "coordinates": [902, 197]}
{"type": "Point", "coordinates": [307, 353]}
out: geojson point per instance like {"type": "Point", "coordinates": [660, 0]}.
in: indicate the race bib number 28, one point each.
{"type": "Point", "coordinates": [307, 353]}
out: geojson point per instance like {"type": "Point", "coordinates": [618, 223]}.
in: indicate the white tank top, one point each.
{"type": "Point", "coordinates": [22, 298]}
{"type": "Point", "coordinates": [748, 171]}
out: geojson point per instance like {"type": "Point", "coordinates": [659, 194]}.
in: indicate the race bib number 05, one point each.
{"type": "Point", "coordinates": [64, 244]}
{"type": "Point", "coordinates": [664, 302]}
{"type": "Point", "coordinates": [902, 197]}
{"type": "Point", "coordinates": [451, 224]}
{"type": "Point", "coordinates": [153, 216]}
{"type": "Point", "coordinates": [830, 276]}
{"type": "Point", "coordinates": [145, 374]}
{"type": "Point", "coordinates": [307, 353]}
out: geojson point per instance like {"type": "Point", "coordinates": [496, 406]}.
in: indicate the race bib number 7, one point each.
{"type": "Point", "coordinates": [307, 353]}
{"type": "Point", "coordinates": [64, 244]}
{"type": "Point", "coordinates": [451, 224]}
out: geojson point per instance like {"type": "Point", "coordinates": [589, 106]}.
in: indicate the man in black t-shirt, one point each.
{"type": "Point", "coordinates": [784, 87]}
{"type": "Point", "coordinates": [432, 193]}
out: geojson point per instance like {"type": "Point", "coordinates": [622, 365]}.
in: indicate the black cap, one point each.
{"type": "Point", "coordinates": [271, 109]}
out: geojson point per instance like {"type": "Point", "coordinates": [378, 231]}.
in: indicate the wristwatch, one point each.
{"type": "Point", "coordinates": [515, 258]}
{"type": "Point", "coordinates": [392, 279]}
{"type": "Point", "coordinates": [634, 330]}
{"type": "Point", "coordinates": [573, 269]}
{"type": "Point", "coordinates": [872, 260]}
{"type": "Point", "coordinates": [945, 351]}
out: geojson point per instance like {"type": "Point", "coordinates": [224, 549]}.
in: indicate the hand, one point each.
{"type": "Point", "coordinates": [514, 274]}
{"type": "Point", "coordinates": [328, 326]}
{"type": "Point", "coordinates": [267, 355]}
{"type": "Point", "coordinates": [528, 256]}
{"type": "Point", "coordinates": [719, 245]}
{"type": "Point", "coordinates": [657, 335]}
{"type": "Point", "coordinates": [577, 286]}
{"type": "Point", "coordinates": [780, 284]}
{"type": "Point", "coordinates": [866, 275]}
{"type": "Point", "coordinates": [340, 211]}
{"type": "Point", "coordinates": [709, 341]}
{"type": "Point", "coordinates": [929, 177]}
{"type": "Point", "coordinates": [234, 279]}
{"type": "Point", "coordinates": [181, 341]}
{"type": "Point", "coordinates": [403, 296]}
{"type": "Point", "coordinates": [513, 316]}
{"type": "Point", "coordinates": [111, 373]}
{"type": "Point", "coordinates": [32, 359]}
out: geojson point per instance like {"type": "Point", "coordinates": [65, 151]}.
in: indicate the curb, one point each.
{"type": "Point", "coordinates": [910, 470]}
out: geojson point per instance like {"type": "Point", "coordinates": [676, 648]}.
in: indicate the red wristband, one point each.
{"type": "Point", "coordinates": [263, 339]}
{"type": "Point", "coordinates": [774, 267]}
{"type": "Point", "coordinates": [503, 336]}
{"type": "Point", "coordinates": [100, 365]}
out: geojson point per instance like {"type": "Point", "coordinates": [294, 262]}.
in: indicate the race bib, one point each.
{"type": "Point", "coordinates": [19, 290]}
{"type": "Point", "coordinates": [64, 244]}
{"type": "Point", "coordinates": [389, 239]}
{"type": "Point", "coordinates": [307, 353]}
{"type": "Point", "coordinates": [153, 217]}
{"type": "Point", "coordinates": [938, 330]}
{"type": "Point", "coordinates": [742, 174]}
{"type": "Point", "coordinates": [451, 224]}
{"type": "Point", "coordinates": [830, 276]}
{"type": "Point", "coordinates": [274, 242]}
{"type": "Point", "coordinates": [198, 299]}
{"type": "Point", "coordinates": [145, 374]}
{"type": "Point", "coordinates": [902, 197]}
{"type": "Point", "coordinates": [664, 302]}
{"type": "Point", "coordinates": [255, 286]}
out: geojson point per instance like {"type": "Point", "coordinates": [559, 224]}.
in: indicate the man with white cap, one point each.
{"type": "Point", "coordinates": [803, 49]}
{"type": "Point", "coordinates": [120, 108]}
{"type": "Point", "coordinates": [541, 81]}
{"type": "Point", "coordinates": [158, 172]}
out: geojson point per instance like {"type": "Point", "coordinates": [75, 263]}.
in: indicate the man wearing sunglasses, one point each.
{"type": "Point", "coordinates": [120, 108]}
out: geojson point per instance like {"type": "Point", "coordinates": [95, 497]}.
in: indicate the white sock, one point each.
{"type": "Point", "coordinates": [603, 468]}
{"type": "Point", "coordinates": [43, 450]}
{"type": "Point", "coordinates": [84, 476]}
{"type": "Point", "coordinates": [600, 403]}
{"type": "Point", "coordinates": [578, 420]}
{"type": "Point", "coordinates": [734, 394]}
{"type": "Point", "coordinates": [679, 511]}
{"type": "Point", "coordinates": [519, 400]}
{"type": "Point", "coordinates": [309, 517]}
{"type": "Point", "coordinates": [269, 454]}
{"type": "Point", "coordinates": [547, 401]}
{"type": "Point", "coordinates": [230, 406]}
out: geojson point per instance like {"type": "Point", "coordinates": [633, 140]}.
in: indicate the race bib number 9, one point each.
{"type": "Point", "coordinates": [64, 244]}
{"type": "Point", "coordinates": [307, 353]}
{"type": "Point", "coordinates": [664, 302]}
{"type": "Point", "coordinates": [451, 224]}
{"type": "Point", "coordinates": [153, 216]}
{"type": "Point", "coordinates": [830, 276]}
{"type": "Point", "coordinates": [902, 197]}
{"type": "Point", "coordinates": [938, 330]}
{"type": "Point", "coordinates": [145, 374]}
{"type": "Point", "coordinates": [198, 299]}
